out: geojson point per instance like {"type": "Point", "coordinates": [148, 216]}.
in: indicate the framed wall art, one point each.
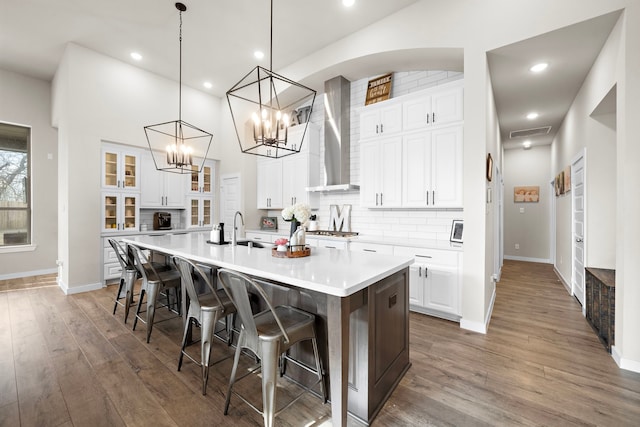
{"type": "Point", "coordinates": [526, 194]}
{"type": "Point", "coordinates": [268, 223]}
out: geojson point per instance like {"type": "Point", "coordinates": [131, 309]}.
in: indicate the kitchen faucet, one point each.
{"type": "Point", "coordinates": [234, 239]}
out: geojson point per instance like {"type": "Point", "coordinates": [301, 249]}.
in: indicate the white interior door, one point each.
{"type": "Point", "coordinates": [229, 202]}
{"type": "Point", "coordinates": [578, 221]}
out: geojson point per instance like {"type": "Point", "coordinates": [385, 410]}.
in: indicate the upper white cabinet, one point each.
{"type": "Point", "coordinates": [417, 161]}
{"type": "Point", "coordinates": [282, 182]}
{"type": "Point", "coordinates": [120, 168]}
{"type": "Point", "coordinates": [161, 189]}
{"type": "Point", "coordinates": [381, 173]}
{"type": "Point", "coordinates": [432, 168]}
{"type": "Point", "coordinates": [437, 107]}
{"type": "Point", "coordinates": [201, 181]}
{"type": "Point", "coordinates": [380, 120]}
{"type": "Point", "coordinates": [269, 184]}
{"type": "Point", "coordinates": [120, 211]}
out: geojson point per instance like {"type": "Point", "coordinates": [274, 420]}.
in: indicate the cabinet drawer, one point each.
{"type": "Point", "coordinates": [112, 271]}
{"type": "Point", "coordinates": [110, 256]}
{"type": "Point", "coordinates": [429, 256]}
{"type": "Point", "coordinates": [371, 247]}
{"type": "Point", "coordinates": [326, 243]}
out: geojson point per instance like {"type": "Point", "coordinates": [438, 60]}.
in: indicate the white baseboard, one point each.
{"type": "Point", "coordinates": [564, 281]}
{"type": "Point", "coordinates": [28, 273]}
{"type": "Point", "coordinates": [526, 259]}
{"type": "Point", "coordinates": [480, 327]}
{"type": "Point", "coordinates": [626, 364]}
{"type": "Point", "coordinates": [79, 289]}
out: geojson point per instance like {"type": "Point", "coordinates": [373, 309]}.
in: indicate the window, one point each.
{"type": "Point", "coordinates": [15, 197]}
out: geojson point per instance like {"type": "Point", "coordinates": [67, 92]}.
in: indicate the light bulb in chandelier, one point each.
{"type": "Point", "coordinates": [270, 128]}
{"type": "Point", "coordinates": [179, 154]}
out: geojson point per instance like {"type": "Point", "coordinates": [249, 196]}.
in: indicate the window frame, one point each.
{"type": "Point", "coordinates": [29, 245]}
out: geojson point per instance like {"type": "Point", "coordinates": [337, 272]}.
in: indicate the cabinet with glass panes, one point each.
{"type": "Point", "coordinates": [199, 212]}
{"type": "Point", "coordinates": [201, 181]}
{"type": "Point", "coordinates": [120, 167]}
{"type": "Point", "coordinates": [121, 211]}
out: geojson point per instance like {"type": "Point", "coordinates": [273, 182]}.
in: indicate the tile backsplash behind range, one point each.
{"type": "Point", "coordinates": [397, 223]}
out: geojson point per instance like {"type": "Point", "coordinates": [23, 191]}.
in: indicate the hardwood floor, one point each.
{"type": "Point", "coordinates": [67, 361]}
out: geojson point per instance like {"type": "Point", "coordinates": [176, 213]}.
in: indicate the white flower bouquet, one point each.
{"type": "Point", "coordinates": [300, 212]}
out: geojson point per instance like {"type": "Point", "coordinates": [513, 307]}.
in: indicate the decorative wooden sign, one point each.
{"type": "Point", "coordinates": [379, 89]}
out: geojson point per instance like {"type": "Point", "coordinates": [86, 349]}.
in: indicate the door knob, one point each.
{"type": "Point", "coordinates": [578, 239]}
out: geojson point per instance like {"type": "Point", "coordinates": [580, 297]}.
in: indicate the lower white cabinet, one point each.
{"type": "Point", "coordinates": [434, 281]}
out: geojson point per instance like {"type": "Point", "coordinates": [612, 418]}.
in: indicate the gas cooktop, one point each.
{"type": "Point", "coordinates": [332, 233]}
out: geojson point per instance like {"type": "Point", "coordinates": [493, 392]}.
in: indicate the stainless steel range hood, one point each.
{"type": "Point", "coordinates": [337, 136]}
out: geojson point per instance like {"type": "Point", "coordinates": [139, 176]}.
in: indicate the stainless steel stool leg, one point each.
{"type": "Point", "coordinates": [206, 340]}
{"type": "Point", "coordinates": [153, 288]}
{"type": "Point", "coordinates": [130, 276]}
{"type": "Point", "coordinates": [270, 354]}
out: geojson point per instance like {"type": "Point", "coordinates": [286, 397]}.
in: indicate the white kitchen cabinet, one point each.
{"type": "Point", "coordinates": [434, 281]}
{"type": "Point", "coordinates": [371, 247]}
{"type": "Point", "coordinates": [120, 168]}
{"type": "Point", "coordinates": [283, 182]}
{"type": "Point", "coordinates": [381, 173]}
{"type": "Point", "coordinates": [160, 189]}
{"type": "Point", "coordinates": [201, 181]}
{"type": "Point", "coordinates": [432, 168]}
{"type": "Point", "coordinates": [381, 119]}
{"type": "Point", "coordinates": [269, 183]}
{"type": "Point", "coordinates": [434, 107]}
{"type": "Point", "coordinates": [327, 243]}
{"type": "Point", "coordinates": [199, 211]}
{"type": "Point", "coordinates": [120, 211]}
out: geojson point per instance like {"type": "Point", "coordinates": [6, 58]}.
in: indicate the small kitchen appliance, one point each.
{"type": "Point", "coordinates": [217, 234]}
{"type": "Point", "coordinates": [162, 221]}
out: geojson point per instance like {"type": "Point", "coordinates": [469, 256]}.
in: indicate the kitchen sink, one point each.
{"type": "Point", "coordinates": [255, 244]}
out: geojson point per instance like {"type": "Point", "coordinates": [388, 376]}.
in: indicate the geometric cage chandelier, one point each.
{"type": "Point", "coordinates": [263, 106]}
{"type": "Point", "coordinates": [176, 146]}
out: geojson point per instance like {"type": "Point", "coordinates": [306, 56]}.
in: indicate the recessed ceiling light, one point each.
{"type": "Point", "coordinates": [208, 85]}
{"type": "Point", "coordinates": [348, 3]}
{"type": "Point", "coordinates": [539, 67]}
{"type": "Point", "coordinates": [526, 144]}
{"type": "Point", "coordinates": [258, 54]}
{"type": "Point", "coordinates": [136, 56]}
{"type": "Point", "coordinates": [532, 115]}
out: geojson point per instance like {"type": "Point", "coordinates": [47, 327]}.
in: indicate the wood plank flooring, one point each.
{"type": "Point", "coordinates": [67, 361]}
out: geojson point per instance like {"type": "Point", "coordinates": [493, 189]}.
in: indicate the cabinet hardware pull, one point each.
{"type": "Point", "coordinates": [423, 256]}
{"type": "Point", "coordinates": [369, 250]}
{"type": "Point", "coordinates": [376, 128]}
{"type": "Point", "coordinates": [392, 300]}
{"type": "Point", "coordinates": [380, 199]}
{"type": "Point", "coordinates": [427, 118]}
{"type": "Point", "coordinates": [376, 199]}
{"type": "Point", "coordinates": [426, 272]}
{"type": "Point", "coordinates": [381, 127]}
{"type": "Point", "coordinates": [433, 197]}
{"type": "Point", "coordinates": [330, 247]}
{"type": "Point", "coordinates": [118, 183]}
{"type": "Point", "coordinates": [419, 271]}
{"type": "Point", "coordinates": [433, 117]}
{"type": "Point", "coordinates": [427, 197]}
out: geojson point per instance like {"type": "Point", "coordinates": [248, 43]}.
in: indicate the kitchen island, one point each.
{"type": "Point", "coordinates": [360, 299]}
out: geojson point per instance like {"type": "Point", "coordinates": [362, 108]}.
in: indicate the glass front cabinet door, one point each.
{"type": "Point", "coordinates": [120, 168]}
{"type": "Point", "coordinates": [201, 181]}
{"type": "Point", "coordinates": [200, 210]}
{"type": "Point", "coordinates": [121, 212]}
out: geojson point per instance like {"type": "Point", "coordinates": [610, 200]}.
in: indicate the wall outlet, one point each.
{"type": "Point", "coordinates": [517, 246]}
{"type": "Point", "coordinates": [521, 210]}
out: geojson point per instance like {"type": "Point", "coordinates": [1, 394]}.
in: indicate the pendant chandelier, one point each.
{"type": "Point", "coordinates": [263, 106]}
{"type": "Point", "coordinates": [176, 145]}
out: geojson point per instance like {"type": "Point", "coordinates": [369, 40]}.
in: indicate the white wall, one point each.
{"type": "Point", "coordinates": [99, 98]}
{"type": "Point", "coordinates": [528, 229]}
{"type": "Point", "coordinates": [27, 101]}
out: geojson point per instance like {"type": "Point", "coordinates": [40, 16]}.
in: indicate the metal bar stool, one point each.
{"type": "Point", "coordinates": [205, 311]}
{"type": "Point", "coordinates": [268, 335]}
{"type": "Point", "coordinates": [153, 283]}
{"type": "Point", "coordinates": [128, 277]}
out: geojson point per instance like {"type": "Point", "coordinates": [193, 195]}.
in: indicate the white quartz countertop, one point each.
{"type": "Point", "coordinates": [330, 271]}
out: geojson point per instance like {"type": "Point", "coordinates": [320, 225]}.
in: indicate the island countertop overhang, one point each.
{"type": "Point", "coordinates": [330, 271]}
